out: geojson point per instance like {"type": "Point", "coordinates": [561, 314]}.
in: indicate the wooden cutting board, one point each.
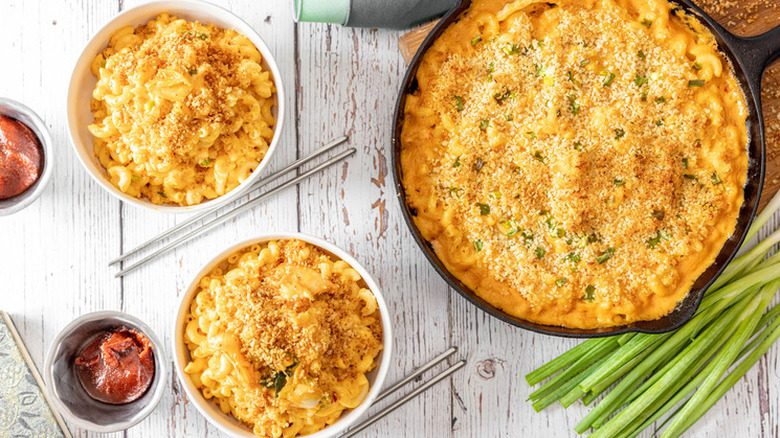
{"type": "Point", "coordinates": [743, 17]}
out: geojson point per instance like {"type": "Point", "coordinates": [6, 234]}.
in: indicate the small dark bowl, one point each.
{"type": "Point", "coordinates": [749, 56]}
{"type": "Point", "coordinates": [68, 395]}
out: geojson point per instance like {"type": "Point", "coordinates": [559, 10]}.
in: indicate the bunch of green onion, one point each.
{"type": "Point", "coordinates": [645, 376]}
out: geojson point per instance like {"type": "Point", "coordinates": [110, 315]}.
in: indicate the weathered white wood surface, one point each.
{"type": "Point", "coordinates": [53, 255]}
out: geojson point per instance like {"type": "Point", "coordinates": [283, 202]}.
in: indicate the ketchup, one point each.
{"type": "Point", "coordinates": [20, 157]}
{"type": "Point", "coordinates": [117, 367]}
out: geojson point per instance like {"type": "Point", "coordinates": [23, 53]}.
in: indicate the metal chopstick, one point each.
{"type": "Point", "coordinates": [422, 369]}
{"type": "Point", "coordinates": [400, 402]}
{"type": "Point", "coordinates": [292, 166]}
{"type": "Point", "coordinates": [235, 212]}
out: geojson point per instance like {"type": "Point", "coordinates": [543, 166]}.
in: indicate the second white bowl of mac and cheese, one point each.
{"type": "Point", "coordinates": [176, 106]}
{"type": "Point", "coordinates": [282, 335]}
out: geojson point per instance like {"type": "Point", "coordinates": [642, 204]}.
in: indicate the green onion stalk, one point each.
{"type": "Point", "coordinates": [683, 373]}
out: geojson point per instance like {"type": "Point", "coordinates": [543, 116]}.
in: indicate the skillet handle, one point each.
{"type": "Point", "coordinates": [756, 53]}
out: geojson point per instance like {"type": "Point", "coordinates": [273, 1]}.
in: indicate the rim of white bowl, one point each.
{"type": "Point", "coordinates": [227, 423]}
{"type": "Point", "coordinates": [160, 372]}
{"type": "Point", "coordinates": [199, 10]}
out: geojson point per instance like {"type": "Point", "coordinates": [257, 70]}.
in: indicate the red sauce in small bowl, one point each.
{"type": "Point", "coordinates": [117, 367]}
{"type": "Point", "coordinates": [20, 157]}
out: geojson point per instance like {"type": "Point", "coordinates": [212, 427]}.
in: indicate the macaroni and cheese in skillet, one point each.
{"type": "Point", "coordinates": [575, 162]}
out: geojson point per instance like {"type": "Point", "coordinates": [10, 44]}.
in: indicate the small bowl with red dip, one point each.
{"type": "Point", "coordinates": [25, 156]}
{"type": "Point", "coordinates": [106, 371]}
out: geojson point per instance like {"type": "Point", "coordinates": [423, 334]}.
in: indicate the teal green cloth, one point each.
{"type": "Point", "coordinates": [321, 11]}
{"type": "Point", "coordinates": [24, 411]}
{"type": "Point", "coordinates": [391, 14]}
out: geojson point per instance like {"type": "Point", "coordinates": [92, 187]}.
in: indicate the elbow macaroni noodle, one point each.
{"type": "Point", "coordinates": [575, 162]}
{"type": "Point", "coordinates": [281, 336]}
{"type": "Point", "coordinates": [183, 110]}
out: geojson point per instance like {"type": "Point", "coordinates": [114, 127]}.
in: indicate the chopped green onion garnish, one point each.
{"type": "Point", "coordinates": [560, 232]}
{"type": "Point", "coordinates": [653, 242]}
{"type": "Point", "coordinates": [192, 72]}
{"type": "Point", "coordinates": [458, 103]}
{"type": "Point", "coordinates": [539, 157]}
{"type": "Point", "coordinates": [578, 147]}
{"type": "Point", "coordinates": [476, 40]}
{"type": "Point", "coordinates": [689, 176]}
{"type": "Point", "coordinates": [162, 194]}
{"type": "Point", "coordinates": [644, 96]}
{"type": "Point", "coordinates": [539, 69]}
{"type": "Point", "coordinates": [478, 164]}
{"type": "Point", "coordinates": [539, 252]}
{"type": "Point", "coordinates": [608, 78]}
{"type": "Point", "coordinates": [478, 245]}
{"type": "Point", "coordinates": [574, 257]}
{"type": "Point", "coordinates": [513, 49]}
{"type": "Point", "coordinates": [619, 133]}
{"type": "Point", "coordinates": [484, 209]}
{"type": "Point", "coordinates": [685, 163]}
{"type": "Point", "coordinates": [646, 23]}
{"type": "Point", "coordinates": [512, 232]}
{"type": "Point", "coordinates": [659, 122]}
{"type": "Point", "coordinates": [606, 255]}
{"type": "Point", "coordinates": [501, 97]}
{"type": "Point", "coordinates": [491, 67]}
{"type": "Point", "coordinates": [203, 36]}
{"type": "Point", "coordinates": [589, 292]}
{"type": "Point", "coordinates": [574, 107]}
{"type": "Point", "coordinates": [715, 178]}
{"type": "Point", "coordinates": [618, 182]}
{"type": "Point", "coordinates": [483, 124]}
{"type": "Point", "coordinates": [136, 178]}
{"type": "Point", "coordinates": [457, 162]}
{"type": "Point", "coordinates": [454, 191]}
{"type": "Point", "coordinates": [530, 134]}
{"type": "Point", "coordinates": [658, 214]}
{"type": "Point", "coordinates": [509, 117]}
{"type": "Point", "coordinates": [572, 80]}
{"type": "Point", "coordinates": [584, 62]}
{"type": "Point", "coordinates": [641, 54]}
{"type": "Point", "coordinates": [696, 83]}
{"type": "Point", "coordinates": [206, 162]}
{"type": "Point", "coordinates": [527, 235]}
{"type": "Point", "coordinates": [640, 80]}
{"type": "Point", "coordinates": [660, 99]}
{"type": "Point", "coordinates": [561, 282]}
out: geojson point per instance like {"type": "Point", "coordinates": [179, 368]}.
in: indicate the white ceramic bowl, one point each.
{"type": "Point", "coordinates": [82, 83]}
{"type": "Point", "coordinates": [228, 423]}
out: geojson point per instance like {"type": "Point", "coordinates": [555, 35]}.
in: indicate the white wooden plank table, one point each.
{"type": "Point", "coordinates": [54, 254]}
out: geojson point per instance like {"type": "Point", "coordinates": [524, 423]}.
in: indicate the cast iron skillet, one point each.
{"type": "Point", "coordinates": [750, 57]}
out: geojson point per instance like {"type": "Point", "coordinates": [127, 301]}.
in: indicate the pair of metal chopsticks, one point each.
{"type": "Point", "coordinates": [400, 402]}
{"type": "Point", "coordinates": [237, 209]}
